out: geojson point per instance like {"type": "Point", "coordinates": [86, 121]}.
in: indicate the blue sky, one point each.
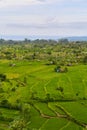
{"type": "Point", "coordinates": [43, 17]}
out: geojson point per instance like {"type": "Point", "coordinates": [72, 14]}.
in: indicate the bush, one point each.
{"type": "Point", "coordinates": [5, 103]}
{"type": "Point", "coordinates": [59, 89]}
{"type": "Point", "coordinates": [57, 69]}
{"type": "Point", "coordinates": [61, 69]}
{"type": "Point", "coordinates": [1, 90]}
{"type": "Point", "coordinates": [2, 77]}
{"type": "Point", "coordinates": [13, 89]}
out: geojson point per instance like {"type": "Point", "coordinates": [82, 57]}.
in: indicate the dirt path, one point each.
{"type": "Point", "coordinates": [66, 115]}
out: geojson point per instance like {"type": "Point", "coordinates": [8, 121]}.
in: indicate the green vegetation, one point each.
{"type": "Point", "coordinates": [43, 85]}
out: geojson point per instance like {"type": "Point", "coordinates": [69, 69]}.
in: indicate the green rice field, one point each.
{"type": "Point", "coordinates": [56, 101]}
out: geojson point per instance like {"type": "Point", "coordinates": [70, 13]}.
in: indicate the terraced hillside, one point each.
{"type": "Point", "coordinates": [35, 97]}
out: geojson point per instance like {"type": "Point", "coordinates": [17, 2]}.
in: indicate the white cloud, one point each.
{"type": "Point", "coordinates": [18, 2]}
{"type": "Point", "coordinates": [23, 19]}
{"type": "Point", "coordinates": [4, 3]}
{"type": "Point", "coordinates": [68, 17]}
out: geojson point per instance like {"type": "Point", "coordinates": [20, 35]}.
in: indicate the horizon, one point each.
{"type": "Point", "coordinates": [44, 37]}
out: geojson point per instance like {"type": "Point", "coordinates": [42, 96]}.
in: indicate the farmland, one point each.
{"type": "Point", "coordinates": [43, 85]}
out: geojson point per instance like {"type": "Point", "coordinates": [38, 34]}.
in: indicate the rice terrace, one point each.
{"type": "Point", "coordinates": [43, 85]}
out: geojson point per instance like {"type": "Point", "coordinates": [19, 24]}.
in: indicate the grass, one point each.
{"type": "Point", "coordinates": [40, 81]}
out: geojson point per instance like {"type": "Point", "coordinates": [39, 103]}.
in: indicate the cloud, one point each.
{"type": "Point", "coordinates": [4, 3]}
{"type": "Point", "coordinates": [71, 25]}
{"type": "Point", "coordinates": [51, 17]}
{"type": "Point", "coordinates": [42, 0]}
{"type": "Point", "coordinates": [71, 28]}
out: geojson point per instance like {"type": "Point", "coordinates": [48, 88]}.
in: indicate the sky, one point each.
{"type": "Point", "coordinates": [43, 17]}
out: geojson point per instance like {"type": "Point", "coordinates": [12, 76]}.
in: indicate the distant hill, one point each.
{"type": "Point", "coordinates": [33, 37]}
{"type": "Point", "coordinates": [77, 38]}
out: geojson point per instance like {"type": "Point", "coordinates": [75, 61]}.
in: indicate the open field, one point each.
{"type": "Point", "coordinates": [35, 97]}
{"type": "Point", "coordinates": [40, 90]}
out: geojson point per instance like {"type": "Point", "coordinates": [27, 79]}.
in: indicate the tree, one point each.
{"type": "Point", "coordinates": [22, 123]}
{"type": "Point", "coordinates": [2, 77]}
{"type": "Point", "coordinates": [61, 69]}
{"type": "Point", "coordinates": [63, 40]}
{"type": "Point", "coordinates": [85, 60]}
{"type": "Point", "coordinates": [60, 89]}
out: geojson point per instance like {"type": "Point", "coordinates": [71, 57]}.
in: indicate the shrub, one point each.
{"type": "Point", "coordinates": [61, 69]}
{"type": "Point", "coordinates": [13, 89]}
{"type": "Point", "coordinates": [60, 89]}
{"type": "Point", "coordinates": [57, 69]}
{"type": "Point", "coordinates": [2, 77]}
{"type": "Point", "coordinates": [5, 103]}
{"type": "Point", "coordinates": [1, 90]}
